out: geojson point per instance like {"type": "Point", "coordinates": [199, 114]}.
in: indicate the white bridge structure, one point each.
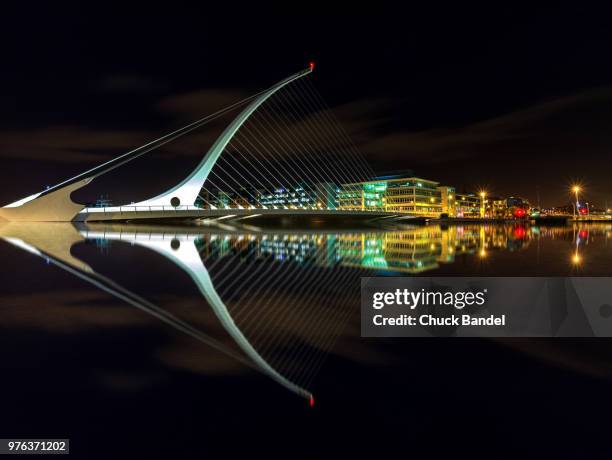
{"type": "Point", "coordinates": [292, 143]}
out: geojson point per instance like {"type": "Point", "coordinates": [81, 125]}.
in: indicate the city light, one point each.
{"type": "Point", "coordinates": [483, 195]}
{"type": "Point", "coordinates": [576, 189]}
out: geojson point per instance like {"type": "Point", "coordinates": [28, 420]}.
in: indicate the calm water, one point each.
{"type": "Point", "coordinates": [199, 340]}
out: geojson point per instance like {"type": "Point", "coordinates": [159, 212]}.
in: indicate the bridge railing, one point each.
{"type": "Point", "coordinates": [130, 209]}
{"type": "Point", "coordinates": [120, 209]}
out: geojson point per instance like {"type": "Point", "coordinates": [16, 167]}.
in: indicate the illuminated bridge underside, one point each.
{"type": "Point", "coordinates": [115, 214]}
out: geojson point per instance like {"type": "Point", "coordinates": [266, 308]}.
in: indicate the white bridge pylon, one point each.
{"type": "Point", "coordinates": [55, 205]}
{"type": "Point", "coordinates": [186, 192]}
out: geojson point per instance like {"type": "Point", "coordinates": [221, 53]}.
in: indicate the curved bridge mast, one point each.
{"type": "Point", "coordinates": [55, 205]}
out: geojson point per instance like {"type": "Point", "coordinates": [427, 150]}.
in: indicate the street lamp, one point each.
{"type": "Point", "coordinates": [576, 189]}
{"type": "Point", "coordinates": [483, 194]}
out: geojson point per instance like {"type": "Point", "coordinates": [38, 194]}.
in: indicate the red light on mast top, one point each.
{"type": "Point", "coordinates": [311, 64]}
{"type": "Point", "coordinates": [311, 401]}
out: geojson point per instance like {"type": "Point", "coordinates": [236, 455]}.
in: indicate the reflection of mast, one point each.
{"type": "Point", "coordinates": [187, 257]}
{"type": "Point", "coordinates": [54, 246]}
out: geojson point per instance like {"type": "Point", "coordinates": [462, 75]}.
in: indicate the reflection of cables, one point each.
{"type": "Point", "coordinates": [316, 289]}
{"type": "Point", "coordinates": [189, 260]}
{"type": "Point", "coordinates": [111, 287]}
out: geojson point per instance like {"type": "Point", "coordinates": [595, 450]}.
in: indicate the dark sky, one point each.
{"type": "Point", "coordinates": [513, 100]}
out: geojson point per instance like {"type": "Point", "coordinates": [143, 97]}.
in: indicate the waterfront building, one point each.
{"type": "Point", "coordinates": [246, 197]}
{"type": "Point", "coordinates": [495, 207]}
{"type": "Point", "coordinates": [406, 195]}
{"type": "Point", "coordinates": [321, 196]}
{"type": "Point", "coordinates": [448, 200]}
{"type": "Point", "coordinates": [468, 205]}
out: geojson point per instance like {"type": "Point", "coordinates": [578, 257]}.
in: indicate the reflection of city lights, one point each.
{"type": "Point", "coordinates": [520, 233]}
{"type": "Point", "coordinates": [576, 259]}
{"type": "Point", "coordinates": [482, 253]}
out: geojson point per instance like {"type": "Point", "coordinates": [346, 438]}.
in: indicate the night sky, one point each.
{"type": "Point", "coordinates": [517, 101]}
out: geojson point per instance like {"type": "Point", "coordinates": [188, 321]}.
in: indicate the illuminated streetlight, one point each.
{"type": "Point", "coordinates": [576, 189]}
{"type": "Point", "coordinates": [483, 195]}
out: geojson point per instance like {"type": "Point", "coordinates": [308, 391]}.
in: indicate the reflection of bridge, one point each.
{"type": "Point", "coordinates": [290, 147]}
{"type": "Point", "coordinates": [263, 286]}
{"type": "Point", "coordinates": [266, 338]}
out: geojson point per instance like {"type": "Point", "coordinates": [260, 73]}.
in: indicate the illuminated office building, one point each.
{"type": "Point", "coordinates": [467, 205]}
{"type": "Point", "coordinates": [448, 200]}
{"type": "Point", "coordinates": [320, 196]}
{"type": "Point", "coordinates": [495, 207]}
{"type": "Point", "coordinates": [405, 195]}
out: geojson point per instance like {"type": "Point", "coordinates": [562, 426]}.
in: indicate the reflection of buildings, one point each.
{"type": "Point", "coordinates": [414, 250]}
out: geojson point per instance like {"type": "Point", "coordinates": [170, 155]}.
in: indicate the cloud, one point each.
{"type": "Point", "coordinates": [549, 134]}
{"type": "Point", "coordinates": [68, 144]}
{"type": "Point", "coordinates": [196, 104]}
{"type": "Point", "coordinates": [557, 127]}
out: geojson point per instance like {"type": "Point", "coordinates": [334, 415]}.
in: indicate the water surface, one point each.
{"type": "Point", "coordinates": [191, 337]}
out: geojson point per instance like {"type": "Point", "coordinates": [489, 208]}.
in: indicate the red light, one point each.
{"type": "Point", "coordinates": [583, 234]}
{"type": "Point", "coordinates": [519, 212]}
{"type": "Point", "coordinates": [311, 401]}
{"type": "Point", "coordinates": [311, 65]}
{"type": "Point", "coordinates": [520, 233]}
{"type": "Point", "coordinates": [583, 210]}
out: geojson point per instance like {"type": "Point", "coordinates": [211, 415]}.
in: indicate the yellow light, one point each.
{"type": "Point", "coordinates": [576, 259]}
{"type": "Point", "coordinates": [482, 253]}
{"type": "Point", "coordinates": [483, 194]}
{"type": "Point", "coordinates": [576, 188]}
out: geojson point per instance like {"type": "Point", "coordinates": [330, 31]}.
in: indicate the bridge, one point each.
{"type": "Point", "coordinates": [284, 154]}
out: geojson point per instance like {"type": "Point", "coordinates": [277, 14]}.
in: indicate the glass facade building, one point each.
{"type": "Point", "coordinates": [405, 195]}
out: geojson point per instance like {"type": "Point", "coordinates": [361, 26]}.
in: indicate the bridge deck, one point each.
{"type": "Point", "coordinates": [184, 213]}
